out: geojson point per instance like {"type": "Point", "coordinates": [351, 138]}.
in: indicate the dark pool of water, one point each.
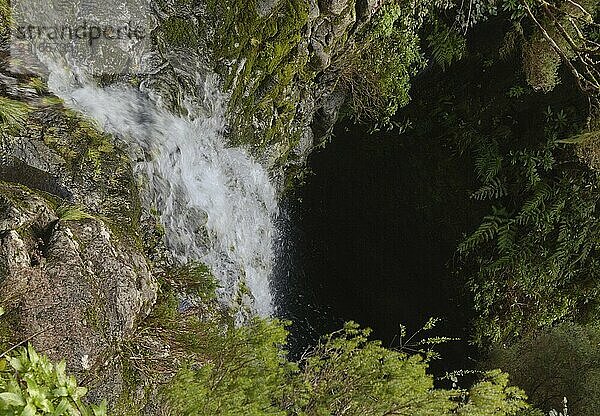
{"type": "Point", "coordinates": [369, 238]}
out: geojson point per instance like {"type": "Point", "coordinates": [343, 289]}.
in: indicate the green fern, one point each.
{"type": "Point", "coordinates": [486, 232]}
{"type": "Point", "coordinates": [506, 239]}
{"type": "Point", "coordinates": [534, 205]}
{"type": "Point", "coordinates": [488, 160]}
{"type": "Point", "coordinates": [447, 46]}
{"type": "Point", "coordinates": [493, 190]}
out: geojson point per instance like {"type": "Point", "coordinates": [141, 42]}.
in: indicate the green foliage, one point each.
{"type": "Point", "coordinates": [245, 371]}
{"type": "Point", "coordinates": [376, 71]}
{"type": "Point", "coordinates": [475, 11]}
{"type": "Point", "coordinates": [347, 373]}
{"type": "Point", "coordinates": [197, 279]}
{"type": "Point", "coordinates": [551, 34]}
{"type": "Point", "coordinates": [535, 257]}
{"type": "Point", "coordinates": [512, 40]}
{"type": "Point", "coordinates": [245, 375]}
{"type": "Point", "coordinates": [446, 45]}
{"type": "Point", "coordinates": [493, 396]}
{"type": "Point", "coordinates": [562, 362]}
{"type": "Point", "coordinates": [72, 213]}
{"type": "Point", "coordinates": [531, 259]}
{"type": "Point", "coordinates": [31, 385]}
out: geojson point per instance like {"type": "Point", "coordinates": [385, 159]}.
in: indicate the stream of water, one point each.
{"type": "Point", "coordinates": [216, 202]}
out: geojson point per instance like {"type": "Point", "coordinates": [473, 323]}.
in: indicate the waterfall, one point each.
{"type": "Point", "coordinates": [216, 203]}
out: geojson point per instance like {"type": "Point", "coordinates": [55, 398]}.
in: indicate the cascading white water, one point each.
{"type": "Point", "coordinates": [216, 203]}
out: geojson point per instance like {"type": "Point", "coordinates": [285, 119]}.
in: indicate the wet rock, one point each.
{"type": "Point", "coordinates": [78, 289]}
{"type": "Point", "coordinates": [366, 8]}
{"type": "Point", "coordinates": [266, 7]}
{"type": "Point", "coordinates": [334, 6]}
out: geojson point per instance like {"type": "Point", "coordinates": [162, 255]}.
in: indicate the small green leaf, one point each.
{"type": "Point", "coordinates": [33, 355]}
{"type": "Point", "coordinates": [61, 373]}
{"type": "Point", "coordinates": [100, 410]}
{"type": "Point", "coordinates": [15, 363]}
{"type": "Point", "coordinates": [12, 399]}
{"type": "Point", "coordinates": [62, 407]}
{"type": "Point", "coordinates": [29, 410]}
{"type": "Point", "coordinates": [60, 392]}
{"type": "Point", "coordinates": [79, 393]}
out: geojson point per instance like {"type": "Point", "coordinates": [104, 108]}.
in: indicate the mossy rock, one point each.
{"type": "Point", "coordinates": [180, 32]}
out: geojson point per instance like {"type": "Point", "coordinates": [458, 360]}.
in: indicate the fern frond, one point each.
{"type": "Point", "coordinates": [488, 161]}
{"type": "Point", "coordinates": [493, 190]}
{"type": "Point", "coordinates": [532, 208]}
{"type": "Point", "coordinates": [486, 232]}
{"type": "Point", "coordinates": [446, 45]}
{"type": "Point", "coordinates": [506, 239]}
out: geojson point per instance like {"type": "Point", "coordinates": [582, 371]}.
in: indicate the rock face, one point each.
{"type": "Point", "coordinates": [77, 289]}
{"type": "Point", "coordinates": [74, 274]}
{"type": "Point", "coordinates": [291, 100]}
{"type": "Point", "coordinates": [278, 60]}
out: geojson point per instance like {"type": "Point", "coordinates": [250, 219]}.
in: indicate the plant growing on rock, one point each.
{"type": "Point", "coordinates": [32, 385]}
{"type": "Point", "coordinates": [13, 114]}
{"type": "Point", "coordinates": [376, 69]}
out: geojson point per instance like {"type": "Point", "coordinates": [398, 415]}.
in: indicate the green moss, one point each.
{"type": "Point", "coordinates": [92, 316]}
{"type": "Point", "coordinates": [179, 32]}
{"type": "Point", "coordinates": [4, 19]}
{"type": "Point", "coordinates": [261, 64]}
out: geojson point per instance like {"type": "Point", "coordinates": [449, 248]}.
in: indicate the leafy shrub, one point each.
{"type": "Point", "coordinates": [376, 71]}
{"type": "Point", "coordinates": [349, 374]}
{"type": "Point", "coordinates": [446, 45]}
{"type": "Point", "coordinates": [534, 259]}
{"type": "Point", "coordinates": [563, 362]}
{"type": "Point", "coordinates": [244, 374]}
{"type": "Point", "coordinates": [31, 385]}
{"type": "Point", "coordinates": [245, 371]}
